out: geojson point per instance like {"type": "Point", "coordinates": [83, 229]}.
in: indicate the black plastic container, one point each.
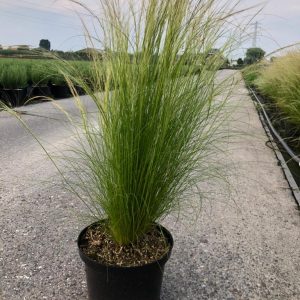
{"type": "Point", "coordinates": [40, 91]}
{"type": "Point", "coordinates": [60, 91]}
{"type": "Point", "coordinates": [125, 283]}
{"type": "Point", "coordinates": [13, 97]}
{"type": "Point", "coordinates": [3, 96]}
{"type": "Point", "coordinates": [79, 90]}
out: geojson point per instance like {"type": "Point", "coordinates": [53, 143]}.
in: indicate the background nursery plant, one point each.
{"type": "Point", "coordinates": [280, 81]}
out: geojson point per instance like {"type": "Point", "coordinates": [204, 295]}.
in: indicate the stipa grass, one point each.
{"type": "Point", "coordinates": [151, 139]}
{"type": "Point", "coordinates": [252, 72]}
{"type": "Point", "coordinates": [280, 81]}
{"type": "Point", "coordinates": [13, 77]}
{"type": "Point", "coordinates": [156, 127]}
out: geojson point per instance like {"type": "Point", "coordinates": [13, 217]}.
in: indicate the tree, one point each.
{"type": "Point", "coordinates": [45, 44]}
{"type": "Point", "coordinates": [240, 62]}
{"type": "Point", "coordinates": [253, 55]}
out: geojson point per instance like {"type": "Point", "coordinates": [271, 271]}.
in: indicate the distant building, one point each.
{"type": "Point", "coordinates": [17, 47]}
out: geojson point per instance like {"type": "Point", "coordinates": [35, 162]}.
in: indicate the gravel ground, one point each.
{"type": "Point", "coordinates": [244, 245]}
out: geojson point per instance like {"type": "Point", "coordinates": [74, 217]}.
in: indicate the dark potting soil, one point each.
{"type": "Point", "coordinates": [98, 244]}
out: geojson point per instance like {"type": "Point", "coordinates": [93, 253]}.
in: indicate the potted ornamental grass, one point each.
{"type": "Point", "coordinates": [58, 86]}
{"type": "Point", "coordinates": [39, 77]}
{"type": "Point", "coordinates": [150, 140]}
{"type": "Point", "coordinates": [13, 80]}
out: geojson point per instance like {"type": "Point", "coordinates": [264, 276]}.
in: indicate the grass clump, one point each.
{"type": "Point", "coordinates": [157, 125]}
{"type": "Point", "coordinates": [280, 81]}
{"type": "Point", "coordinates": [39, 73]}
{"type": "Point", "coordinates": [252, 72]}
{"type": "Point", "coordinates": [13, 76]}
{"type": "Point", "coordinates": [151, 139]}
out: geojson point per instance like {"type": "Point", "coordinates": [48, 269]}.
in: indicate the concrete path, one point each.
{"type": "Point", "coordinates": [244, 244]}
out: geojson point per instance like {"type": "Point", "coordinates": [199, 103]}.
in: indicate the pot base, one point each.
{"type": "Point", "coordinates": [125, 283]}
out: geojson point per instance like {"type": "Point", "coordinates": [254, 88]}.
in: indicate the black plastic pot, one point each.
{"type": "Point", "coordinates": [13, 97]}
{"type": "Point", "coordinates": [79, 90]}
{"type": "Point", "coordinates": [39, 91]}
{"type": "Point", "coordinates": [60, 91]}
{"type": "Point", "coordinates": [37, 94]}
{"type": "Point", "coordinates": [125, 283]}
{"type": "Point", "coordinates": [3, 96]}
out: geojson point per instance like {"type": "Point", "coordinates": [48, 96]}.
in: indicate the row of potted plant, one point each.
{"type": "Point", "coordinates": [14, 97]}
{"type": "Point", "coordinates": [25, 80]}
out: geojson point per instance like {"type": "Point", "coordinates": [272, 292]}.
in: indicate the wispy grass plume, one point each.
{"type": "Point", "coordinates": [157, 122]}
{"type": "Point", "coordinates": [280, 81]}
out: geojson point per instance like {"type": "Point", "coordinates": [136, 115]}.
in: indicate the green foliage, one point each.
{"type": "Point", "coordinates": [37, 71]}
{"type": "Point", "coordinates": [152, 138]}
{"type": "Point", "coordinates": [45, 44]}
{"type": "Point", "coordinates": [57, 78]}
{"type": "Point", "coordinates": [280, 81]}
{"type": "Point", "coordinates": [240, 62]}
{"type": "Point", "coordinates": [9, 52]}
{"type": "Point", "coordinates": [13, 76]}
{"type": "Point", "coordinates": [251, 73]}
{"type": "Point", "coordinates": [254, 55]}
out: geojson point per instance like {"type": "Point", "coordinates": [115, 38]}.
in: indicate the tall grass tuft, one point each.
{"type": "Point", "coordinates": [153, 135]}
{"type": "Point", "coordinates": [13, 76]}
{"type": "Point", "coordinates": [252, 72]}
{"type": "Point", "coordinates": [281, 81]}
{"type": "Point", "coordinates": [157, 123]}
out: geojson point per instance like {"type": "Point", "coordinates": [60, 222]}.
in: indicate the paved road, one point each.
{"type": "Point", "coordinates": [244, 245]}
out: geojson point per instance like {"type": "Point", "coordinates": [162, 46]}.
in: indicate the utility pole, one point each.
{"type": "Point", "coordinates": [254, 43]}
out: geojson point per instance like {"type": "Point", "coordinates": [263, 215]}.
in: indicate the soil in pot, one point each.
{"type": "Point", "coordinates": [130, 272]}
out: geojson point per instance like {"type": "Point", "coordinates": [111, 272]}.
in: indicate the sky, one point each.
{"type": "Point", "coordinates": [28, 21]}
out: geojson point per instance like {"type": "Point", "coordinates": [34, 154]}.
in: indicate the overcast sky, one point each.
{"type": "Point", "coordinates": [28, 21]}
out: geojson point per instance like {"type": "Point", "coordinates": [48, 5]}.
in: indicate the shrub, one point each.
{"type": "Point", "coordinates": [240, 62]}
{"type": "Point", "coordinates": [253, 55]}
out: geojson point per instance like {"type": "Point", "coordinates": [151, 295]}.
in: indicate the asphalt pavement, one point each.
{"type": "Point", "coordinates": [243, 244]}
